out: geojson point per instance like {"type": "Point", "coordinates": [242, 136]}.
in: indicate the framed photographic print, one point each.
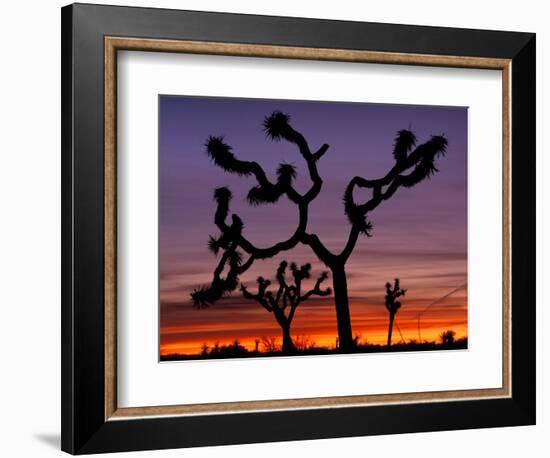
{"type": "Point", "coordinates": [282, 228]}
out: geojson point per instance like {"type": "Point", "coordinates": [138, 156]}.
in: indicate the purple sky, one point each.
{"type": "Point", "coordinates": [419, 235]}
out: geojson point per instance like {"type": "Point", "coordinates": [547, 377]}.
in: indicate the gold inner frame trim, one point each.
{"type": "Point", "coordinates": [114, 44]}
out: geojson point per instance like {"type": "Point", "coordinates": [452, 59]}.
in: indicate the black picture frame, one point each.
{"type": "Point", "coordinates": [84, 428]}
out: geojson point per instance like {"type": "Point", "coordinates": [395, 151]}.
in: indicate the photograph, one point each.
{"type": "Point", "coordinates": [309, 227]}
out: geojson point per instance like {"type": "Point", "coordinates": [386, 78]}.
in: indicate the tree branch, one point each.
{"type": "Point", "coordinates": [421, 160]}
{"type": "Point", "coordinates": [312, 240]}
{"type": "Point", "coordinates": [266, 191]}
{"type": "Point", "coordinates": [276, 126]}
{"type": "Point", "coordinates": [261, 296]}
{"type": "Point", "coordinates": [316, 290]}
{"type": "Point", "coordinates": [234, 232]}
{"type": "Point", "coordinates": [207, 295]}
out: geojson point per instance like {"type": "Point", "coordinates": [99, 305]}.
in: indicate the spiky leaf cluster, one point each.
{"type": "Point", "coordinates": [355, 216]}
{"type": "Point", "coordinates": [300, 273]}
{"type": "Point", "coordinates": [276, 126]}
{"type": "Point", "coordinates": [425, 156]}
{"type": "Point", "coordinates": [268, 193]}
{"type": "Point", "coordinates": [285, 174]}
{"type": "Point", "coordinates": [281, 271]}
{"type": "Point", "coordinates": [217, 244]}
{"type": "Point", "coordinates": [222, 194]}
{"type": "Point", "coordinates": [405, 140]}
{"type": "Point", "coordinates": [204, 296]}
{"type": "Point", "coordinates": [220, 152]}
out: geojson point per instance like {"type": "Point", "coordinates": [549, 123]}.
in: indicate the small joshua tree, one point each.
{"type": "Point", "coordinates": [391, 304]}
{"type": "Point", "coordinates": [412, 164]}
{"type": "Point", "coordinates": [284, 302]}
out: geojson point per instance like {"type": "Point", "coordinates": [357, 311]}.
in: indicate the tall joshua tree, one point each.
{"type": "Point", "coordinates": [391, 304]}
{"type": "Point", "coordinates": [289, 296]}
{"type": "Point", "coordinates": [412, 164]}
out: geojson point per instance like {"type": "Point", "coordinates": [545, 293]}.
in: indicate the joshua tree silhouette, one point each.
{"type": "Point", "coordinates": [412, 165]}
{"type": "Point", "coordinates": [391, 304]}
{"type": "Point", "coordinates": [289, 296]}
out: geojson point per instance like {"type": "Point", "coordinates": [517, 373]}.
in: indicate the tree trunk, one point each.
{"type": "Point", "coordinates": [392, 315]}
{"type": "Point", "coordinates": [288, 345]}
{"type": "Point", "coordinates": [341, 303]}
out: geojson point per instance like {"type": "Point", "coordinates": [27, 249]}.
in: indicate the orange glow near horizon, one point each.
{"type": "Point", "coordinates": [320, 340]}
{"type": "Point", "coordinates": [371, 326]}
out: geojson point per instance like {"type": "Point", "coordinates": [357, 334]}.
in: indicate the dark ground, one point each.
{"type": "Point", "coordinates": [236, 350]}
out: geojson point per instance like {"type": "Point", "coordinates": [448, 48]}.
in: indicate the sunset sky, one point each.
{"type": "Point", "coordinates": [420, 234]}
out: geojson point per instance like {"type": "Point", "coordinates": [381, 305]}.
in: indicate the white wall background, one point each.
{"type": "Point", "coordinates": [30, 227]}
